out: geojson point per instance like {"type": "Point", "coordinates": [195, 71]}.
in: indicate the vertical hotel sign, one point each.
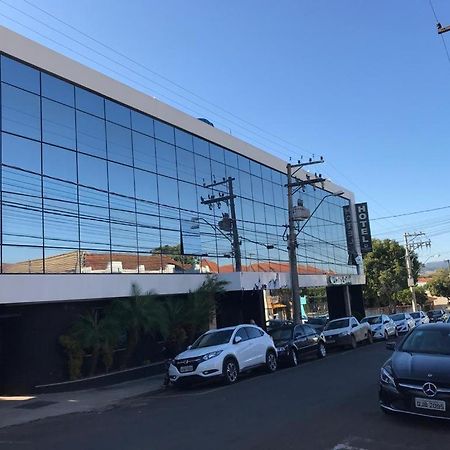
{"type": "Point", "coordinates": [362, 220]}
{"type": "Point", "coordinates": [348, 222]}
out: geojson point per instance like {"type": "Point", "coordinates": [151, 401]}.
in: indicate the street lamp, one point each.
{"type": "Point", "coordinates": [292, 246]}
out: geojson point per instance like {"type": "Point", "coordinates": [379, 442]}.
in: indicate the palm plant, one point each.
{"type": "Point", "coordinates": [138, 315]}
{"type": "Point", "coordinates": [96, 334]}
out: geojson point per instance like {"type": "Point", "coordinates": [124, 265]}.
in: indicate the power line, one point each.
{"type": "Point", "coordinates": [411, 213]}
{"type": "Point", "coordinates": [442, 36]}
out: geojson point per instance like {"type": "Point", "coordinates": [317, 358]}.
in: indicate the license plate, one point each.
{"type": "Point", "coordinates": [437, 405]}
{"type": "Point", "coordinates": [184, 369]}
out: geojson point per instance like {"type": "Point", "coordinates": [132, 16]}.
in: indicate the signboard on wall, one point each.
{"type": "Point", "coordinates": [349, 234]}
{"type": "Point", "coordinates": [362, 221]}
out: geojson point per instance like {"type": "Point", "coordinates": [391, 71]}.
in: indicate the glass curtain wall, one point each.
{"type": "Point", "coordinates": [91, 186]}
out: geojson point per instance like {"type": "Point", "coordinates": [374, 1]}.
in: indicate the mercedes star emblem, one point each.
{"type": "Point", "coordinates": [429, 389]}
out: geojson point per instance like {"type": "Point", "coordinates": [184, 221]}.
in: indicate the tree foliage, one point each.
{"type": "Point", "coordinates": [175, 252]}
{"type": "Point", "coordinates": [439, 285]}
{"type": "Point", "coordinates": [405, 297]}
{"type": "Point", "coordinates": [386, 274]}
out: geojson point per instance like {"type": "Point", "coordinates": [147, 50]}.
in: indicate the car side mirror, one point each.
{"type": "Point", "coordinates": [390, 346]}
{"type": "Point", "coordinates": [189, 347]}
{"type": "Point", "coordinates": [237, 339]}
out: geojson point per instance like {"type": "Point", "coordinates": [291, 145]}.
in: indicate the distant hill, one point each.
{"type": "Point", "coordinates": [433, 266]}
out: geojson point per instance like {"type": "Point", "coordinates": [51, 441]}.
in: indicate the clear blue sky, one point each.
{"type": "Point", "coordinates": [365, 84]}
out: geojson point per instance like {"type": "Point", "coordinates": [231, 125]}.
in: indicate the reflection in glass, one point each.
{"type": "Point", "coordinates": [89, 102]}
{"type": "Point", "coordinates": [183, 139]}
{"type": "Point", "coordinates": [168, 191]}
{"type": "Point", "coordinates": [57, 89]}
{"type": "Point", "coordinates": [91, 136]}
{"type": "Point", "coordinates": [166, 156]}
{"type": "Point", "coordinates": [164, 132]}
{"type": "Point", "coordinates": [121, 180]}
{"type": "Point", "coordinates": [92, 172]}
{"type": "Point", "coordinates": [58, 124]}
{"type": "Point", "coordinates": [22, 153]}
{"type": "Point", "coordinates": [146, 185]}
{"type": "Point", "coordinates": [117, 113]}
{"type": "Point", "coordinates": [17, 259]}
{"type": "Point", "coordinates": [21, 112]}
{"type": "Point", "coordinates": [62, 260]}
{"type": "Point", "coordinates": [142, 123]}
{"type": "Point", "coordinates": [59, 163]}
{"type": "Point", "coordinates": [144, 152]}
{"type": "Point", "coordinates": [20, 75]}
{"type": "Point", "coordinates": [119, 143]}
{"type": "Point", "coordinates": [123, 224]}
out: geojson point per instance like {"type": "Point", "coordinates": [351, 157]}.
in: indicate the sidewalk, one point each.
{"type": "Point", "coordinates": [19, 410]}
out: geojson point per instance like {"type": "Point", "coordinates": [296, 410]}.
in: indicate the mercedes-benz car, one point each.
{"type": "Point", "coordinates": [224, 353]}
{"type": "Point", "coordinates": [416, 378]}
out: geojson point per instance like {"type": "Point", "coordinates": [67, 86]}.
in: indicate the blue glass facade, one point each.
{"type": "Point", "coordinates": [84, 175]}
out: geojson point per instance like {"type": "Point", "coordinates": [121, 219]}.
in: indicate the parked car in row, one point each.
{"type": "Point", "coordinates": [347, 331]}
{"type": "Point", "coordinates": [437, 315]}
{"type": "Point", "coordinates": [382, 326]}
{"type": "Point", "coordinates": [273, 324]}
{"type": "Point", "coordinates": [420, 318]}
{"type": "Point", "coordinates": [403, 321]}
{"type": "Point", "coordinates": [224, 353]}
{"type": "Point", "coordinates": [318, 323]}
{"type": "Point", "coordinates": [416, 378]}
{"type": "Point", "coordinates": [293, 342]}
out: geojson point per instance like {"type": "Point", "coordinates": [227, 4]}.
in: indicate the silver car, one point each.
{"type": "Point", "coordinates": [420, 318]}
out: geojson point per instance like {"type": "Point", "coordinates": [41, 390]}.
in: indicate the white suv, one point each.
{"type": "Point", "coordinates": [225, 352]}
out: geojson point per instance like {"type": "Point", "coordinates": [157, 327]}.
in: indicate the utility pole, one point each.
{"type": "Point", "coordinates": [292, 234]}
{"type": "Point", "coordinates": [410, 246]}
{"type": "Point", "coordinates": [229, 200]}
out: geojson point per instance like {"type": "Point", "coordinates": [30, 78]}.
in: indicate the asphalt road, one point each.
{"type": "Point", "coordinates": [321, 404]}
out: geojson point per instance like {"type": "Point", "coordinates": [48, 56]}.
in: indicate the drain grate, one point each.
{"type": "Point", "coordinates": [35, 405]}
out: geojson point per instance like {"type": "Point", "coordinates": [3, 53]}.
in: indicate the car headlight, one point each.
{"type": "Point", "coordinates": [211, 355]}
{"type": "Point", "coordinates": [386, 375]}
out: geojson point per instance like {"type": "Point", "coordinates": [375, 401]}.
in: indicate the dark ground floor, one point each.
{"type": "Point", "coordinates": [31, 354]}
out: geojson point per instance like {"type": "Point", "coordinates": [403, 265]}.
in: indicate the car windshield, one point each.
{"type": "Point", "coordinates": [434, 313]}
{"type": "Point", "coordinates": [415, 315]}
{"type": "Point", "coordinates": [281, 334]}
{"type": "Point", "coordinates": [317, 321]}
{"type": "Point", "coordinates": [214, 338]}
{"type": "Point", "coordinates": [372, 320]}
{"type": "Point", "coordinates": [432, 341]}
{"type": "Point", "coordinates": [335, 324]}
{"type": "Point", "coordinates": [397, 317]}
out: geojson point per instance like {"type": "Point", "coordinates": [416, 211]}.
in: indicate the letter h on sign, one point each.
{"type": "Point", "coordinates": [365, 237]}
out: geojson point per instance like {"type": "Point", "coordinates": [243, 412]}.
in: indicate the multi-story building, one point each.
{"type": "Point", "coordinates": [102, 186]}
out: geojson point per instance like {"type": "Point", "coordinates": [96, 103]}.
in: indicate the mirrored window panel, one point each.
{"type": "Point", "coordinates": [58, 90]}
{"type": "Point", "coordinates": [142, 123]}
{"type": "Point", "coordinates": [58, 124]}
{"type": "Point", "coordinates": [20, 75]}
{"type": "Point", "coordinates": [21, 153]}
{"type": "Point", "coordinates": [89, 102]}
{"type": "Point", "coordinates": [91, 135]}
{"type": "Point", "coordinates": [118, 113]}
{"type": "Point", "coordinates": [60, 163]}
{"type": "Point", "coordinates": [92, 172]}
{"type": "Point", "coordinates": [119, 143]}
{"type": "Point", "coordinates": [164, 132]}
{"type": "Point", "coordinates": [22, 259]}
{"type": "Point", "coordinates": [144, 152]}
{"type": "Point", "coordinates": [21, 112]}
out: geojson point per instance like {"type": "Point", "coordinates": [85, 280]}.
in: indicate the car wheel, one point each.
{"type": "Point", "coordinates": [386, 336]}
{"type": "Point", "coordinates": [353, 343]}
{"type": "Point", "coordinates": [293, 357]}
{"type": "Point", "coordinates": [271, 361]}
{"type": "Point", "coordinates": [322, 351]}
{"type": "Point", "coordinates": [230, 371]}
{"type": "Point", "coordinates": [369, 338]}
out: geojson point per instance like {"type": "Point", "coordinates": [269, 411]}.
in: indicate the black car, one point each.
{"type": "Point", "coordinates": [293, 342]}
{"type": "Point", "coordinates": [437, 315]}
{"type": "Point", "coordinates": [273, 324]}
{"type": "Point", "coordinates": [318, 323]}
{"type": "Point", "coordinates": [416, 379]}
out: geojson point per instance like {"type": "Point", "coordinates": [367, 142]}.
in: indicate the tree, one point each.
{"type": "Point", "coordinates": [386, 274]}
{"type": "Point", "coordinates": [404, 296]}
{"type": "Point", "coordinates": [174, 251]}
{"type": "Point", "coordinates": [439, 285]}
{"type": "Point", "coordinates": [138, 315]}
